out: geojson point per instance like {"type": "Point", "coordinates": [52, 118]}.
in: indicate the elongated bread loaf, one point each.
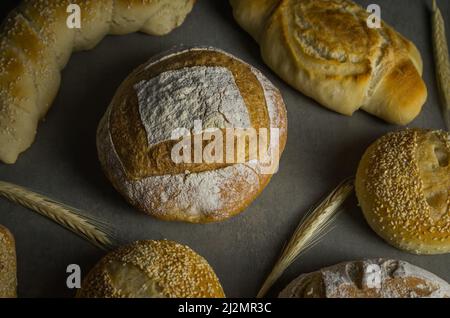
{"type": "Point", "coordinates": [8, 268]}
{"type": "Point", "coordinates": [36, 43]}
{"type": "Point", "coordinates": [326, 50]}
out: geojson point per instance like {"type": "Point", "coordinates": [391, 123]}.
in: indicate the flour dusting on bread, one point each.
{"type": "Point", "coordinates": [183, 96]}
{"type": "Point", "coordinates": [378, 278]}
{"type": "Point", "coordinates": [174, 98]}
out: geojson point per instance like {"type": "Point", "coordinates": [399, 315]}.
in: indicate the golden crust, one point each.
{"type": "Point", "coordinates": [36, 36]}
{"type": "Point", "coordinates": [39, 59]}
{"type": "Point", "coordinates": [149, 179]}
{"type": "Point", "coordinates": [142, 161]}
{"type": "Point", "coordinates": [403, 187]}
{"type": "Point", "coordinates": [48, 19]}
{"type": "Point", "coordinates": [152, 269]}
{"type": "Point", "coordinates": [309, 45]}
{"type": "Point", "coordinates": [18, 112]}
{"type": "Point", "coordinates": [254, 16]}
{"type": "Point", "coordinates": [404, 103]}
{"type": "Point", "coordinates": [8, 267]}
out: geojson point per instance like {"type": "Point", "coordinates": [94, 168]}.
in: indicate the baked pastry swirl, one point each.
{"type": "Point", "coordinates": [326, 50]}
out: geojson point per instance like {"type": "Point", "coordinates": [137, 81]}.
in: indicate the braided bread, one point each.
{"type": "Point", "coordinates": [326, 50]}
{"type": "Point", "coordinates": [36, 43]}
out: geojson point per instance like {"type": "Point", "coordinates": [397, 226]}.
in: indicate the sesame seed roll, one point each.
{"type": "Point", "coordinates": [152, 269]}
{"type": "Point", "coordinates": [403, 187]}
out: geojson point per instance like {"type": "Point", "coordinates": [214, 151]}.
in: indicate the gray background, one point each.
{"type": "Point", "coordinates": [323, 148]}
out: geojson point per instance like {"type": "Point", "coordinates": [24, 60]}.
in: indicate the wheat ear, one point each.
{"type": "Point", "coordinates": [442, 61]}
{"type": "Point", "coordinates": [89, 228]}
{"type": "Point", "coordinates": [309, 232]}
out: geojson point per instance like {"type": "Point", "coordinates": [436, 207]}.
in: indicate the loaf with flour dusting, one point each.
{"type": "Point", "coordinates": [377, 278]}
{"type": "Point", "coordinates": [36, 43]}
{"type": "Point", "coordinates": [173, 91]}
{"type": "Point", "coordinates": [8, 266]}
{"type": "Point", "coordinates": [325, 49]}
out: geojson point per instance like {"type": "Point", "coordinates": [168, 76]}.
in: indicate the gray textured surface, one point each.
{"type": "Point", "coordinates": [323, 148]}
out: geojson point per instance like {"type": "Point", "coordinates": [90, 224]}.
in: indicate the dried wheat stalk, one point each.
{"type": "Point", "coordinates": [89, 228]}
{"type": "Point", "coordinates": [442, 61]}
{"type": "Point", "coordinates": [309, 232]}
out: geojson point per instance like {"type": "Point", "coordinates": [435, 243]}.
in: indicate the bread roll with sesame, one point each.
{"type": "Point", "coordinates": [152, 269]}
{"type": "Point", "coordinates": [403, 187]}
{"type": "Point", "coordinates": [328, 51]}
{"type": "Point", "coordinates": [8, 267]}
{"type": "Point", "coordinates": [171, 92]}
{"type": "Point", "coordinates": [378, 278]}
{"type": "Point", "coordinates": [36, 43]}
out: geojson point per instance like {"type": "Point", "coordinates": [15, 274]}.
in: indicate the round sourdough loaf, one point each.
{"type": "Point", "coordinates": [377, 278]}
{"type": "Point", "coordinates": [403, 187]}
{"type": "Point", "coordinates": [182, 90]}
{"type": "Point", "coordinates": [152, 269]}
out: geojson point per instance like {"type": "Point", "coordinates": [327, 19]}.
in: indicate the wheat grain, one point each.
{"type": "Point", "coordinates": [309, 232]}
{"type": "Point", "coordinates": [89, 228]}
{"type": "Point", "coordinates": [442, 61]}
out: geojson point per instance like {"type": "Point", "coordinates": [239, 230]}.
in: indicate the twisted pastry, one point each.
{"type": "Point", "coordinates": [326, 50]}
{"type": "Point", "coordinates": [36, 43]}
